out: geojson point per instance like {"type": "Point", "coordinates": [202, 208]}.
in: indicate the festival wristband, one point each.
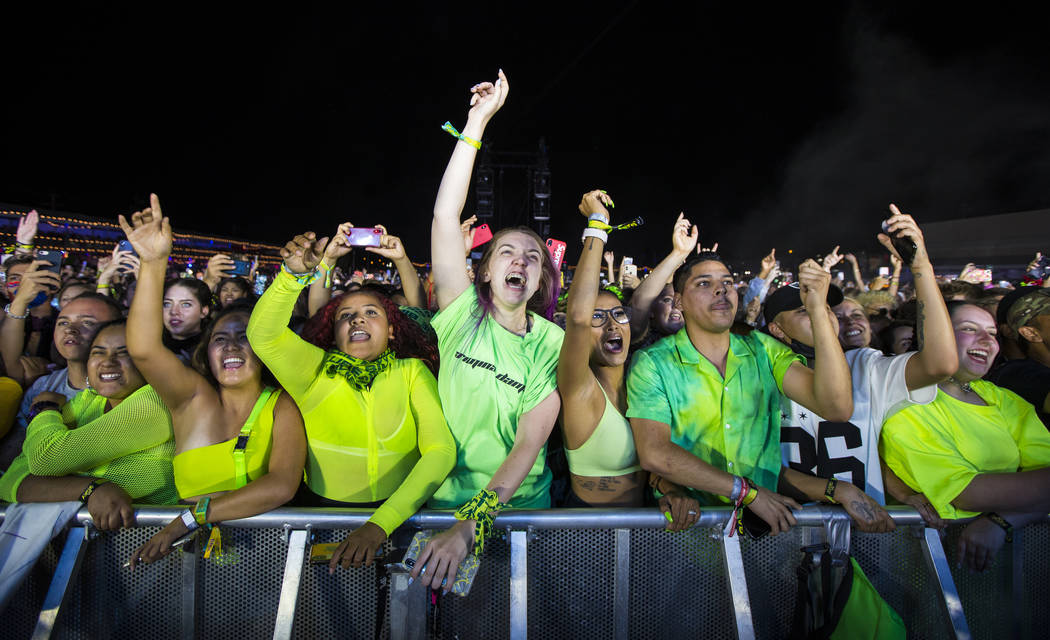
{"type": "Point", "coordinates": [189, 520]}
{"type": "Point", "coordinates": [750, 496]}
{"type": "Point", "coordinates": [599, 216]}
{"type": "Point", "coordinates": [482, 508]}
{"type": "Point", "coordinates": [305, 279]}
{"type": "Point", "coordinates": [95, 484]}
{"type": "Point", "coordinates": [327, 274]}
{"type": "Point", "coordinates": [200, 511]}
{"type": "Point", "coordinates": [459, 136]}
{"type": "Point", "coordinates": [591, 232]}
{"type": "Point", "coordinates": [1001, 521]}
{"type": "Point", "coordinates": [829, 490]}
{"type": "Point", "coordinates": [738, 489]}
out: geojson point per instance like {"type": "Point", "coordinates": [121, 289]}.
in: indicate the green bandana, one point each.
{"type": "Point", "coordinates": [359, 373]}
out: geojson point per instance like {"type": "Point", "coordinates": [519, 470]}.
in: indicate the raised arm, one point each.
{"type": "Point", "coordinates": [150, 233]}
{"type": "Point", "coordinates": [292, 360]}
{"type": "Point", "coordinates": [576, 383]}
{"type": "Point", "coordinates": [855, 269]}
{"type": "Point", "coordinates": [267, 492]}
{"type": "Point", "coordinates": [13, 332]}
{"type": "Point", "coordinates": [934, 337]}
{"type": "Point", "coordinates": [450, 278]}
{"type": "Point", "coordinates": [320, 291]}
{"type": "Point", "coordinates": [393, 249]}
{"type": "Point", "coordinates": [826, 389]}
{"type": "Point", "coordinates": [683, 241]}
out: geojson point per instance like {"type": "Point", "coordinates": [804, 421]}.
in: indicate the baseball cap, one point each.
{"type": "Point", "coordinates": [1032, 304]}
{"type": "Point", "coordinates": [789, 298]}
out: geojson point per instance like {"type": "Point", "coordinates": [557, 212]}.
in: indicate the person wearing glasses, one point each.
{"type": "Point", "coordinates": [599, 445]}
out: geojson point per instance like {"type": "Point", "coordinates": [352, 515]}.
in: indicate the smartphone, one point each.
{"type": "Point", "coordinates": [631, 270]}
{"type": "Point", "coordinates": [627, 260]}
{"type": "Point", "coordinates": [260, 284]}
{"type": "Point", "coordinates": [240, 268]}
{"type": "Point", "coordinates": [752, 525]}
{"type": "Point", "coordinates": [884, 272]}
{"type": "Point", "coordinates": [482, 234]}
{"type": "Point", "coordinates": [905, 247]}
{"type": "Point", "coordinates": [54, 259]}
{"type": "Point", "coordinates": [557, 250]}
{"type": "Point", "coordinates": [124, 245]}
{"type": "Point", "coordinates": [364, 236]}
{"type": "Point", "coordinates": [464, 574]}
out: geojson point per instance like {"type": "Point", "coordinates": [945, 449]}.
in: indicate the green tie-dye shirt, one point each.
{"type": "Point", "coordinates": [732, 423]}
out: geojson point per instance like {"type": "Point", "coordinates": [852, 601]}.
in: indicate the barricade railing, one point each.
{"type": "Point", "coordinates": [580, 573]}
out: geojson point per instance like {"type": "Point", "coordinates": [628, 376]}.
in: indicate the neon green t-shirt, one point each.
{"type": "Point", "coordinates": [731, 423]}
{"type": "Point", "coordinates": [937, 449]}
{"type": "Point", "coordinates": [489, 377]}
{"type": "Point", "coordinates": [389, 442]}
{"type": "Point", "coordinates": [131, 445]}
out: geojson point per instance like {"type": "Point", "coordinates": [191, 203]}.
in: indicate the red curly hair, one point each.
{"type": "Point", "coordinates": [409, 341]}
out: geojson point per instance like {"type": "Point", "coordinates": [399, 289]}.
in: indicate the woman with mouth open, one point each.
{"type": "Point", "coordinates": [499, 356]}
{"type": "Point", "coordinates": [599, 443]}
{"type": "Point", "coordinates": [239, 442]}
{"type": "Point", "coordinates": [977, 450]}
{"type": "Point", "coordinates": [363, 374]}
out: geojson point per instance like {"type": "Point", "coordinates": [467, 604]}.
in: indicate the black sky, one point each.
{"type": "Point", "coordinates": [788, 126]}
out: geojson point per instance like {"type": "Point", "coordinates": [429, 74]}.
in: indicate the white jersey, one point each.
{"type": "Point", "coordinates": [850, 450]}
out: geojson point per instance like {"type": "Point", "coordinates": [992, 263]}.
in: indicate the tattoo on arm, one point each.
{"type": "Point", "coordinates": [920, 321]}
{"type": "Point", "coordinates": [590, 243]}
{"type": "Point", "coordinates": [864, 510]}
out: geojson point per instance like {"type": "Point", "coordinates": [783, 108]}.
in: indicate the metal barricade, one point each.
{"type": "Point", "coordinates": [579, 573]}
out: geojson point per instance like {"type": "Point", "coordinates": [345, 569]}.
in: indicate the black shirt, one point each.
{"type": "Point", "coordinates": [1028, 379]}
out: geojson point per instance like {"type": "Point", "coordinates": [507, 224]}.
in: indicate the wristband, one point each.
{"type": "Point", "coordinates": [455, 134]}
{"type": "Point", "coordinates": [305, 279]}
{"type": "Point", "coordinates": [327, 274]}
{"type": "Point", "coordinates": [829, 490]}
{"type": "Point", "coordinates": [200, 511]}
{"type": "Point", "coordinates": [23, 246]}
{"type": "Point", "coordinates": [738, 489]}
{"type": "Point", "coordinates": [482, 509]}
{"type": "Point", "coordinates": [95, 484]}
{"type": "Point", "coordinates": [189, 520]}
{"type": "Point", "coordinates": [44, 405]}
{"type": "Point", "coordinates": [750, 496]}
{"type": "Point", "coordinates": [599, 216]}
{"type": "Point", "coordinates": [1001, 521]}
{"type": "Point", "coordinates": [7, 310]}
{"type": "Point", "coordinates": [591, 232]}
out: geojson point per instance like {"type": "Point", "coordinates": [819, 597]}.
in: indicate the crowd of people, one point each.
{"type": "Point", "coordinates": [479, 387]}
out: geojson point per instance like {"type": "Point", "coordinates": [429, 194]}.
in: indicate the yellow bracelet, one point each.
{"type": "Point", "coordinates": [456, 134]}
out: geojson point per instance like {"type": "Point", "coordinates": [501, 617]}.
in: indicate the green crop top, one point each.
{"type": "Point", "coordinates": [214, 468]}
{"type": "Point", "coordinates": [610, 451]}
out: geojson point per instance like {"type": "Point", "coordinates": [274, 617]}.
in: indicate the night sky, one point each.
{"type": "Point", "coordinates": [790, 126]}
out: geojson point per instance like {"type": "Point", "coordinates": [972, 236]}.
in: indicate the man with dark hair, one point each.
{"type": "Point", "coordinates": [704, 403]}
{"type": "Point", "coordinates": [1029, 377]}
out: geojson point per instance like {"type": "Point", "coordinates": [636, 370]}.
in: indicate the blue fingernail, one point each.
{"type": "Point", "coordinates": [410, 579]}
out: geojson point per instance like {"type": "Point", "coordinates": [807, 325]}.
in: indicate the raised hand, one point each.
{"type": "Point", "coordinates": [149, 231]}
{"type": "Point", "coordinates": [339, 246]}
{"type": "Point", "coordinates": [903, 226]}
{"type": "Point", "coordinates": [390, 247]}
{"type": "Point", "coordinates": [684, 236]}
{"type": "Point", "coordinates": [769, 262]}
{"type": "Point", "coordinates": [35, 280]}
{"type": "Point", "coordinates": [852, 259]}
{"type": "Point", "coordinates": [712, 249]}
{"type": "Point", "coordinates": [27, 228]}
{"type": "Point", "coordinates": [813, 283]}
{"type": "Point", "coordinates": [596, 201]}
{"type": "Point", "coordinates": [609, 257]}
{"type": "Point", "coordinates": [486, 98]}
{"type": "Point", "coordinates": [219, 266]}
{"type": "Point", "coordinates": [303, 253]}
{"type": "Point", "coordinates": [832, 259]}
{"type": "Point", "coordinates": [466, 229]}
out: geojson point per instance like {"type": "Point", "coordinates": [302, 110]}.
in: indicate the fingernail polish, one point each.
{"type": "Point", "coordinates": [410, 579]}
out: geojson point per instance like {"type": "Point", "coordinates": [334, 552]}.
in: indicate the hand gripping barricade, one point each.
{"type": "Point", "coordinates": [580, 573]}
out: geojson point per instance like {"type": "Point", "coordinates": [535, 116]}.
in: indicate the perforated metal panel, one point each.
{"type": "Point", "coordinates": [1035, 579]}
{"type": "Point", "coordinates": [986, 597]}
{"type": "Point", "coordinates": [485, 613]}
{"type": "Point", "coordinates": [109, 601]}
{"type": "Point", "coordinates": [571, 584]}
{"type": "Point", "coordinates": [238, 600]}
{"type": "Point", "coordinates": [770, 565]}
{"type": "Point", "coordinates": [895, 565]}
{"type": "Point", "coordinates": [341, 605]}
{"type": "Point", "coordinates": [679, 587]}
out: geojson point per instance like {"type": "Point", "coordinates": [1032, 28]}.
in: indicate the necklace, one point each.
{"type": "Point", "coordinates": [965, 386]}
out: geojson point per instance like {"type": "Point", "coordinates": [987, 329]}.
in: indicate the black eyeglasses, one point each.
{"type": "Point", "coordinates": [619, 314]}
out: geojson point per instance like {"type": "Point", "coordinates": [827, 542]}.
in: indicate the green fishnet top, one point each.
{"type": "Point", "coordinates": [132, 445]}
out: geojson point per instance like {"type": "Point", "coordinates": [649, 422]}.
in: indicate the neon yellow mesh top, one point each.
{"type": "Point", "coordinates": [938, 448]}
{"type": "Point", "coordinates": [210, 469]}
{"type": "Point", "coordinates": [131, 445]}
{"type": "Point", "coordinates": [388, 443]}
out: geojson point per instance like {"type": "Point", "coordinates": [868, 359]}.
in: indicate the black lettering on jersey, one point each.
{"type": "Point", "coordinates": [813, 452]}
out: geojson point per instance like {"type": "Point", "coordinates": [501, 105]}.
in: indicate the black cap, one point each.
{"type": "Point", "coordinates": [788, 298]}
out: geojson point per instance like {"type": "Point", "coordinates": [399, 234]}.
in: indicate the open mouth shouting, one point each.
{"type": "Point", "coordinates": [613, 344]}
{"type": "Point", "coordinates": [360, 335]}
{"type": "Point", "coordinates": [516, 281]}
